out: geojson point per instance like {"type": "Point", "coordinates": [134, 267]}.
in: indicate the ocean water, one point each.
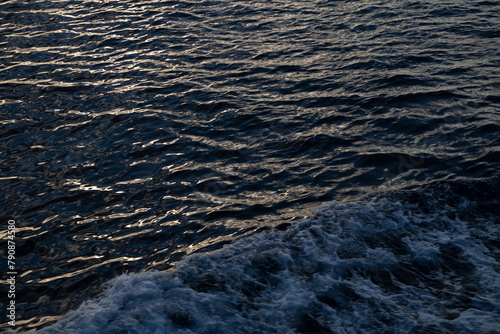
{"type": "Point", "coordinates": [251, 166]}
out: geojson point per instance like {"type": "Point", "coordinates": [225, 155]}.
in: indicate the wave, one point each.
{"type": "Point", "coordinates": [421, 261]}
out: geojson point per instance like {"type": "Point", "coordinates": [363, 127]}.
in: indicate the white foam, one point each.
{"type": "Point", "coordinates": [363, 267]}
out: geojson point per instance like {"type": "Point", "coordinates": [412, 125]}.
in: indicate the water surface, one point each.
{"type": "Point", "coordinates": [135, 133]}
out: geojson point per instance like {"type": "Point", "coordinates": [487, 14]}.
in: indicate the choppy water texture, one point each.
{"type": "Point", "coordinates": [135, 133]}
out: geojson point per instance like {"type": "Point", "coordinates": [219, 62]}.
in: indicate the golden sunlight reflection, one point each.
{"type": "Point", "coordinates": [78, 272]}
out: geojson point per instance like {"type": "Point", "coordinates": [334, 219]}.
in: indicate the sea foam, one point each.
{"type": "Point", "coordinates": [376, 266]}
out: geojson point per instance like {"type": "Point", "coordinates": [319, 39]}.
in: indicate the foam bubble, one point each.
{"type": "Point", "coordinates": [363, 267]}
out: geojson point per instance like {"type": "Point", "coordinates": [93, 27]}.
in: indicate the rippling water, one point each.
{"type": "Point", "coordinates": [135, 133]}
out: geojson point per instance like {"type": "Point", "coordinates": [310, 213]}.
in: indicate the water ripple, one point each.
{"type": "Point", "coordinates": [135, 132]}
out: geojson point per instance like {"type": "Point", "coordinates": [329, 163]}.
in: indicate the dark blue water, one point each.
{"type": "Point", "coordinates": [269, 166]}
